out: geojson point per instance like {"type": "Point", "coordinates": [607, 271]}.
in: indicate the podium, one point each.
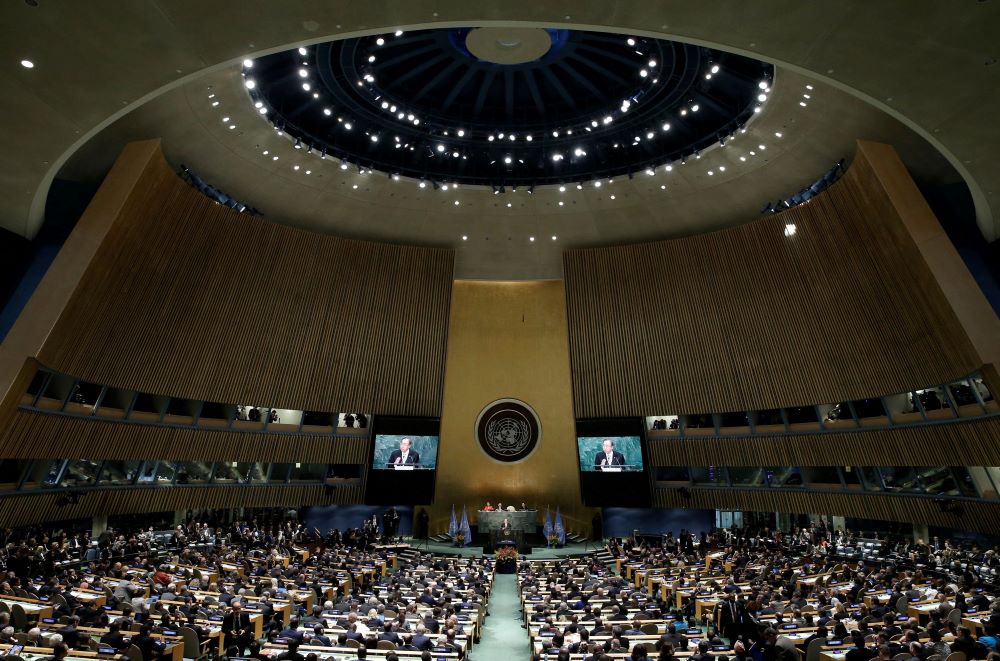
{"type": "Point", "coordinates": [623, 468]}
{"type": "Point", "coordinates": [524, 521]}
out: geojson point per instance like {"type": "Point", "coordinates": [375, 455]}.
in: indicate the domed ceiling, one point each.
{"type": "Point", "coordinates": [507, 106]}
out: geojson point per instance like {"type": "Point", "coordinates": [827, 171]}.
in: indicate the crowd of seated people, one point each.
{"type": "Point", "coordinates": [261, 589]}
{"type": "Point", "coordinates": [764, 596]}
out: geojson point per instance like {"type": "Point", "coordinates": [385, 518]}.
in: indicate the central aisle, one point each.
{"type": "Point", "coordinates": [502, 633]}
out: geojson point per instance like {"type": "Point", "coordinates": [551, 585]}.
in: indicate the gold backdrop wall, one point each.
{"type": "Point", "coordinates": [508, 340]}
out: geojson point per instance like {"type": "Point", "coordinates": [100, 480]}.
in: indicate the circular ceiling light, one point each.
{"type": "Point", "coordinates": [435, 105]}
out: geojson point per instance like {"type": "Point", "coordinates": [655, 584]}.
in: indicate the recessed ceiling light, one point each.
{"type": "Point", "coordinates": [355, 186]}
{"type": "Point", "coordinates": [27, 64]}
{"type": "Point", "coordinates": [232, 126]}
{"type": "Point", "coordinates": [762, 85]}
{"type": "Point", "coordinates": [630, 41]}
{"type": "Point", "coordinates": [612, 197]}
{"type": "Point", "coordinates": [444, 187]}
{"type": "Point", "coordinates": [215, 103]}
{"type": "Point", "coordinates": [465, 238]}
{"type": "Point", "coordinates": [309, 171]}
{"type": "Point", "coordinates": [274, 158]}
{"type": "Point", "coordinates": [561, 202]}
{"type": "Point", "coordinates": [508, 205]}
{"type": "Point", "coordinates": [777, 134]}
{"type": "Point", "coordinates": [380, 41]}
{"type": "Point", "coordinates": [247, 63]}
{"type": "Point", "coordinates": [554, 237]}
{"type": "Point", "coordinates": [399, 33]}
{"type": "Point", "coordinates": [295, 167]}
{"type": "Point", "coordinates": [304, 73]}
{"type": "Point", "coordinates": [457, 203]}
{"type": "Point", "coordinates": [715, 69]}
{"type": "Point", "coordinates": [507, 160]}
{"type": "Point", "coordinates": [531, 238]}
{"type": "Point", "coordinates": [663, 187]}
{"type": "Point", "coordinates": [250, 83]}
{"type": "Point", "coordinates": [302, 50]}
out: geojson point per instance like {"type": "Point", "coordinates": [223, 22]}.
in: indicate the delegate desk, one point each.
{"type": "Point", "coordinates": [524, 521]}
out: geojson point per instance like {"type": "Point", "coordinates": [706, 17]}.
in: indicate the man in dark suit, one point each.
{"type": "Point", "coordinates": [149, 646]}
{"type": "Point", "coordinates": [608, 456]}
{"type": "Point", "coordinates": [236, 627]}
{"type": "Point", "coordinates": [404, 455]}
{"type": "Point", "coordinates": [114, 638]}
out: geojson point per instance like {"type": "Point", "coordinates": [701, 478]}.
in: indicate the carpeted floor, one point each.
{"type": "Point", "coordinates": [503, 638]}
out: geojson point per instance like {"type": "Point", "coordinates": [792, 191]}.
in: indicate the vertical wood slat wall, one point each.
{"type": "Point", "coordinates": [747, 318]}
{"type": "Point", "coordinates": [191, 299]}
{"type": "Point", "coordinates": [32, 435]}
{"type": "Point", "coordinates": [978, 516]}
{"type": "Point", "coordinates": [962, 442]}
{"type": "Point", "coordinates": [32, 509]}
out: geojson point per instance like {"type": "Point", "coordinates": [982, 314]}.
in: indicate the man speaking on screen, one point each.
{"type": "Point", "coordinates": [608, 456]}
{"type": "Point", "coordinates": [404, 455]}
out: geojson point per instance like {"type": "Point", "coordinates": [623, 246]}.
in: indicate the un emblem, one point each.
{"type": "Point", "coordinates": [508, 430]}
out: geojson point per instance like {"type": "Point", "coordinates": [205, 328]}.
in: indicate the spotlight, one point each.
{"type": "Point", "coordinates": [507, 160]}
{"type": "Point", "coordinates": [298, 143]}
{"type": "Point", "coordinates": [247, 63]}
{"type": "Point", "coordinates": [380, 41]}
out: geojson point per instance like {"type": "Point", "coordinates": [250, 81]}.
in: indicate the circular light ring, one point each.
{"type": "Point", "coordinates": [336, 67]}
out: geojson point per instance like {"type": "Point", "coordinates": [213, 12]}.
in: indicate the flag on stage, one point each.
{"type": "Point", "coordinates": [558, 528]}
{"type": "Point", "coordinates": [464, 527]}
{"type": "Point", "coordinates": [453, 524]}
{"type": "Point", "coordinates": [547, 528]}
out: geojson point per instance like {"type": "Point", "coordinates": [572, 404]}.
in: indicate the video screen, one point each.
{"type": "Point", "coordinates": [612, 465]}
{"type": "Point", "coordinates": [404, 456]}
{"type": "Point", "coordinates": [610, 454]}
{"type": "Point", "coordinates": [405, 452]}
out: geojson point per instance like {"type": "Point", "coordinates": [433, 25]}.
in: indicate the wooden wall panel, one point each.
{"type": "Point", "coordinates": [747, 318]}
{"type": "Point", "coordinates": [33, 509]}
{"type": "Point", "coordinates": [191, 299]}
{"type": "Point", "coordinates": [973, 443]}
{"type": "Point", "coordinates": [34, 435]}
{"type": "Point", "coordinates": [978, 516]}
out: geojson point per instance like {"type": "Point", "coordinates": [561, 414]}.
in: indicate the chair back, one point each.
{"type": "Point", "coordinates": [814, 648]}
{"type": "Point", "coordinates": [955, 615]}
{"type": "Point", "coordinates": [902, 605]}
{"type": "Point", "coordinates": [192, 647]}
{"type": "Point", "coordinates": [385, 645]}
{"type": "Point", "coordinates": [955, 656]}
{"type": "Point", "coordinates": [133, 653]}
{"type": "Point", "coordinates": [19, 617]}
{"type": "Point", "coordinates": [351, 642]}
{"type": "Point", "coordinates": [56, 598]}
